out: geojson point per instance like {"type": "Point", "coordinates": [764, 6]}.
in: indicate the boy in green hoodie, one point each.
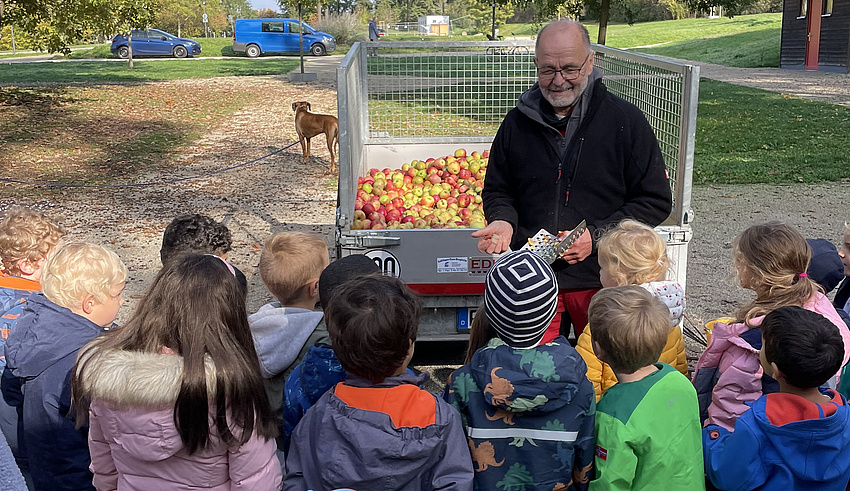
{"type": "Point", "coordinates": [647, 426]}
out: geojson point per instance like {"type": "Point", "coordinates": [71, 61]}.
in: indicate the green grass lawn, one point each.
{"type": "Point", "coordinates": [742, 41]}
{"type": "Point", "coordinates": [144, 71]}
{"type": "Point", "coordinates": [743, 136]}
{"type": "Point", "coordinates": [749, 136]}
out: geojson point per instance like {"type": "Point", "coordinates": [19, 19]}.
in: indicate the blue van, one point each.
{"type": "Point", "coordinates": [256, 36]}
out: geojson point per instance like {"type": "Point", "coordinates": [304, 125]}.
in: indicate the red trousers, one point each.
{"type": "Point", "coordinates": [574, 303]}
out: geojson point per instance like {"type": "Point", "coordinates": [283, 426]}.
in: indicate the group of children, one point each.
{"type": "Point", "coordinates": [194, 393]}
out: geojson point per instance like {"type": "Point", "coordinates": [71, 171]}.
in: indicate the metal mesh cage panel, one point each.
{"type": "Point", "coordinates": [453, 92]}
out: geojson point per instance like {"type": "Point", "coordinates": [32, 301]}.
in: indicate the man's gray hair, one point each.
{"type": "Point", "coordinates": [584, 34]}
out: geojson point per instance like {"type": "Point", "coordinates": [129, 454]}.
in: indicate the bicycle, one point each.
{"type": "Point", "coordinates": [516, 53]}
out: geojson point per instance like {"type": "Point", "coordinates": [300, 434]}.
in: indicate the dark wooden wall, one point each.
{"type": "Point", "coordinates": [834, 51]}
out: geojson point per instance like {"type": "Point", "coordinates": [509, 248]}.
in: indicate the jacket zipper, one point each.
{"type": "Point", "coordinates": [575, 169]}
{"type": "Point", "coordinates": [584, 124]}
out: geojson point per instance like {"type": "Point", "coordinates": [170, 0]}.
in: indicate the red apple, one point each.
{"type": "Point", "coordinates": [434, 179]}
{"type": "Point", "coordinates": [408, 219]}
{"type": "Point", "coordinates": [464, 174]}
{"type": "Point", "coordinates": [368, 209]}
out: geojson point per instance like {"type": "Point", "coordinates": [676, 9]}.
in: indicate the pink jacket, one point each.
{"type": "Point", "coordinates": [135, 445]}
{"type": "Point", "coordinates": [728, 376]}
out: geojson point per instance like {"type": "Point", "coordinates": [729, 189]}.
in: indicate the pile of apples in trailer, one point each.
{"type": "Point", "coordinates": [442, 192]}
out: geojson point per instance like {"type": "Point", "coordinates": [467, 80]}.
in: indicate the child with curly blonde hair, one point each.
{"type": "Point", "coordinates": [770, 259]}
{"type": "Point", "coordinates": [634, 254]}
{"type": "Point", "coordinates": [82, 293]}
{"type": "Point", "coordinates": [26, 238]}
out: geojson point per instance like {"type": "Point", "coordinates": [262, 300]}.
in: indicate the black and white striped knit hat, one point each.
{"type": "Point", "coordinates": [520, 298]}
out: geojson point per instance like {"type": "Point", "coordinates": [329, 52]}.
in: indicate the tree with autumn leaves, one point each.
{"type": "Point", "coordinates": [53, 26]}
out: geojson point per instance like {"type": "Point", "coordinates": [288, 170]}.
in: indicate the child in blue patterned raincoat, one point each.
{"type": "Point", "coordinates": [527, 409]}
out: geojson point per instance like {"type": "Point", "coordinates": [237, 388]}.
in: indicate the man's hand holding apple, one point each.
{"type": "Point", "coordinates": [496, 237]}
{"type": "Point", "coordinates": [577, 252]}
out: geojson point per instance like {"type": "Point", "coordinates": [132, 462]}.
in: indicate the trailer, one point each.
{"type": "Point", "coordinates": [416, 100]}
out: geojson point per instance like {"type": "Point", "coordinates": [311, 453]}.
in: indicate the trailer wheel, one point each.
{"type": "Point", "coordinates": [252, 51]}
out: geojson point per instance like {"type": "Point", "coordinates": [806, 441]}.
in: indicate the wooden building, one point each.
{"type": "Point", "coordinates": [815, 35]}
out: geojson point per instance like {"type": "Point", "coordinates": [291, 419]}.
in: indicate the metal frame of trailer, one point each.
{"type": "Point", "coordinates": [415, 100]}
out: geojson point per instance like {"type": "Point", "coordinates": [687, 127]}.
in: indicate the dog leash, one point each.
{"type": "Point", "coordinates": [150, 183]}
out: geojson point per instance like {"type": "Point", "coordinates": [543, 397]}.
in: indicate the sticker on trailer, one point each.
{"type": "Point", "coordinates": [389, 264]}
{"type": "Point", "coordinates": [452, 265]}
{"type": "Point", "coordinates": [480, 265]}
{"type": "Point", "coordinates": [465, 316]}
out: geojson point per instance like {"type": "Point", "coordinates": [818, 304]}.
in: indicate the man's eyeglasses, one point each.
{"type": "Point", "coordinates": [568, 74]}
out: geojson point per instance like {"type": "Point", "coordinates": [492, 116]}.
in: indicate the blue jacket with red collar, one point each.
{"type": "Point", "coordinates": [784, 442]}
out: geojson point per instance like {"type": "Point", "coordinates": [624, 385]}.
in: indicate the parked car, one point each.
{"type": "Point", "coordinates": [257, 36]}
{"type": "Point", "coordinates": [153, 42]}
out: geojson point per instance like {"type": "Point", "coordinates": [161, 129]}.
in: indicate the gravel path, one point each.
{"type": "Point", "coordinates": [282, 193]}
{"type": "Point", "coordinates": [822, 86]}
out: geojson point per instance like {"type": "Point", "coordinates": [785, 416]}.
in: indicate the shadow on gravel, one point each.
{"type": "Point", "coordinates": [46, 138]}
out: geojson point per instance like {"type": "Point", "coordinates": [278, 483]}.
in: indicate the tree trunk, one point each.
{"type": "Point", "coordinates": [603, 21]}
{"type": "Point", "coordinates": [130, 48]}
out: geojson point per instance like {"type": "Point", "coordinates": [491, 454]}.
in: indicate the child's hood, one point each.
{"type": "Point", "coordinates": [546, 377]}
{"type": "Point", "coordinates": [45, 334]}
{"type": "Point", "coordinates": [133, 395]}
{"type": "Point", "coordinates": [279, 335]}
{"type": "Point", "coordinates": [812, 449]}
{"type": "Point", "coordinates": [673, 296]}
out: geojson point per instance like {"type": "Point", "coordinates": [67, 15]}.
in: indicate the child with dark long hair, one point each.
{"type": "Point", "coordinates": [175, 398]}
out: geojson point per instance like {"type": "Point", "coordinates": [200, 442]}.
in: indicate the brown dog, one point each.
{"type": "Point", "coordinates": [308, 125]}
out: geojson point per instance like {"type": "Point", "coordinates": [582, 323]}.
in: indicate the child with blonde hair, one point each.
{"type": "Point", "coordinates": [283, 331]}
{"type": "Point", "coordinates": [647, 426]}
{"type": "Point", "coordinates": [634, 254]}
{"type": "Point", "coordinates": [26, 238]}
{"type": "Point", "coordinates": [82, 286]}
{"type": "Point", "coordinates": [770, 259]}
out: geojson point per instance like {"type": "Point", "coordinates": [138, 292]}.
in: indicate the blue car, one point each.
{"type": "Point", "coordinates": [153, 42]}
{"type": "Point", "coordinates": [256, 36]}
